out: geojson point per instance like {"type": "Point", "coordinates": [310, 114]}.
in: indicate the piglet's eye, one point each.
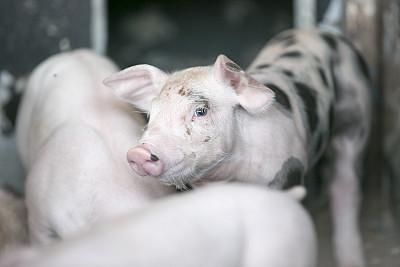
{"type": "Point", "coordinates": [200, 111]}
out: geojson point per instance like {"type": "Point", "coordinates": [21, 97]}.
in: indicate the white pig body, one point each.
{"type": "Point", "coordinates": [225, 226]}
{"type": "Point", "coordinates": [72, 135]}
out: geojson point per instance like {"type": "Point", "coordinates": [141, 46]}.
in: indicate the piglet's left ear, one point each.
{"type": "Point", "coordinates": [138, 85]}
{"type": "Point", "coordinates": [252, 95]}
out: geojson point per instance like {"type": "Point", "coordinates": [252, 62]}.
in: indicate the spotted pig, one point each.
{"type": "Point", "coordinates": [306, 96]}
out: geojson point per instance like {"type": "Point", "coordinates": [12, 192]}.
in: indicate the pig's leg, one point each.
{"type": "Point", "coordinates": [345, 157]}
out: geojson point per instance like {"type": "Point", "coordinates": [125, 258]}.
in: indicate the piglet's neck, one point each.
{"type": "Point", "coordinates": [251, 146]}
{"type": "Point", "coordinates": [252, 131]}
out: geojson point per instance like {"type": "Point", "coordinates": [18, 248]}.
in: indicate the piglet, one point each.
{"type": "Point", "coordinates": [304, 98]}
{"type": "Point", "coordinates": [72, 133]}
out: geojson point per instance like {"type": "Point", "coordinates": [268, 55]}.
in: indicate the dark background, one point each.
{"type": "Point", "coordinates": [177, 34]}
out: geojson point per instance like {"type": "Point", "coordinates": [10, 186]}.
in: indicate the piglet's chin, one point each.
{"type": "Point", "coordinates": [177, 176]}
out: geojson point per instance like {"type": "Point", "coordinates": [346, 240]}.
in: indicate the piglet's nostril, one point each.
{"type": "Point", "coordinates": [154, 157]}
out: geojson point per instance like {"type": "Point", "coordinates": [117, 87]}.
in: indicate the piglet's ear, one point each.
{"type": "Point", "coordinates": [137, 85]}
{"type": "Point", "coordinates": [252, 95]}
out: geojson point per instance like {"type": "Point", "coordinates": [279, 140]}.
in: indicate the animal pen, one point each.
{"type": "Point", "coordinates": [187, 33]}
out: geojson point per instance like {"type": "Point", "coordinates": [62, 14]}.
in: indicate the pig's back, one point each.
{"type": "Point", "coordinates": [67, 89]}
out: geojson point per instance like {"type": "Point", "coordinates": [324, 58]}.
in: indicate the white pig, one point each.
{"type": "Point", "coordinates": [72, 135]}
{"type": "Point", "coordinates": [221, 226]}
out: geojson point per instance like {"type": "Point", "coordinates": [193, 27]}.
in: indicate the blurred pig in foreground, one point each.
{"type": "Point", "coordinates": [217, 226]}
{"type": "Point", "coordinates": [72, 135]}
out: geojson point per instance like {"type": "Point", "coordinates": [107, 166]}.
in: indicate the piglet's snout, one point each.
{"type": "Point", "coordinates": [143, 162]}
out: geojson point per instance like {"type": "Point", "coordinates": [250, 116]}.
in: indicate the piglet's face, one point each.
{"type": "Point", "coordinates": [192, 116]}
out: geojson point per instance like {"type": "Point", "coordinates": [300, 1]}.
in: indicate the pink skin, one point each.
{"type": "Point", "coordinates": [144, 162]}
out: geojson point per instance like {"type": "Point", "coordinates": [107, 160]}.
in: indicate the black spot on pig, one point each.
{"type": "Point", "coordinates": [288, 73]}
{"type": "Point", "coordinates": [263, 66]}
{"type": "Point", "coordinates": [290, 174]}
{"type": "Point", "coordinates": [291, 54]}
{"type": "Point", "coordinates": [322, 74]}
{"type": "Point", "coordinates": [208, 138]}
{"type": "Point", "coordinates": [280, 96]}
{"type": "Point", "coordinates": [330, 40]}
{"type": "Point", "coordinates": [307, 95]}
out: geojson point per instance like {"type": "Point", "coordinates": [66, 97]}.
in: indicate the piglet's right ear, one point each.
{"type": "Point", "coordinates": [138, 84]}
